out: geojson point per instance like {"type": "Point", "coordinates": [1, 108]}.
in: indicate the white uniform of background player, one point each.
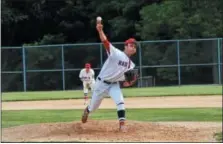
{"type": "Point", "coordinates": [112, 72]}
{"type": "Point", "coordinates": [87, 77]}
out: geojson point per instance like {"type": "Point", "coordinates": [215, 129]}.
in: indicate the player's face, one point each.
{"type": "Point", "coordinates": [87, 69]}
{"type": "Point", "coordinates": [130, 49]}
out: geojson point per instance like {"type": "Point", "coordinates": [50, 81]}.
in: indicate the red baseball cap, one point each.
{"type": "Point", "coordinates": [130, 40]}
{"type": "Point", "coordinates": [87, 65]}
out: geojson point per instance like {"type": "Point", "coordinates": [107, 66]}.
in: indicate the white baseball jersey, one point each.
{"type": "Point", "coordinates": [116, 65]}
{"type": "Point", "coordinates": [87, 76]}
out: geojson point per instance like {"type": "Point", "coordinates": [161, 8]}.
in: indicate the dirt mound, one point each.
{"type": "Point", "coordinates": [107, 131]}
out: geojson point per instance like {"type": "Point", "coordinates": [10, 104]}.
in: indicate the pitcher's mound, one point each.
{"type": "Point", "coordinates": [107, 131]}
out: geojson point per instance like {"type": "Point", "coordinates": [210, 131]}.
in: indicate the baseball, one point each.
{"type": "Point", "coordinates": [99, 19]}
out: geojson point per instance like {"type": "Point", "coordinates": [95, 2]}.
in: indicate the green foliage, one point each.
{"type": "Point", "coordinates": [43, 58]}
{"type": "Point", "coordinates": [218, 136]}
{"type": "Point", "coordinates": [181, 19]}
{"type": "Point", "coordinates": [20, 117]}
{"type": "Point", "coordinates": [178, 20]}
{"type": "Point", "coordinates": [32, 23]}
{"type": "Point", "coordinates": [11, 15]}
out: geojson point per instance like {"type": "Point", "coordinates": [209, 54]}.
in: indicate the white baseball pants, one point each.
{"type": "Point", "coordinates": [100, 90]}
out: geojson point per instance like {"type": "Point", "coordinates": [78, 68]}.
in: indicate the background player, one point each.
{"type": "Point", "coordinates": [87, 77]}
{"type": "Point", "coordinates": [112, 72]}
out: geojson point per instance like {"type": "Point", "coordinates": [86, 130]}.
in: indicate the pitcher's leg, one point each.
{"type": "Point", "coordinates": [95, 102]}
{"type": "Point", "coordinates": [96, 99]}
{"type": "Point", "coordinates": [117, 96]}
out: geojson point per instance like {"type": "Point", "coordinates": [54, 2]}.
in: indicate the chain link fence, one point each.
{"type": "Point", "coordinates": [160, 63]}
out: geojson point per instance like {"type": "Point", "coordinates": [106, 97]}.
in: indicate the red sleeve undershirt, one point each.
{"type": "Point", "coordinates": [107, 45]}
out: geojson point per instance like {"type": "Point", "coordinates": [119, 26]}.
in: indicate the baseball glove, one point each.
{"type": "Point", "coordinates": [131, 77]}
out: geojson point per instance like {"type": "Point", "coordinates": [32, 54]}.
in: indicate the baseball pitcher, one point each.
{"type": "Point", "coordinates": [87, 77]}
{"type": "Point", "coordinates": [113, 72]}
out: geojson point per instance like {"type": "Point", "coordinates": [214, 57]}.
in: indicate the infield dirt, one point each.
{"type": "Point", "coordinates": [107, 130]}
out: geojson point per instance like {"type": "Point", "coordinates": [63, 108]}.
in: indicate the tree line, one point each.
{"type": "Point", "coordinates": [43, 22]}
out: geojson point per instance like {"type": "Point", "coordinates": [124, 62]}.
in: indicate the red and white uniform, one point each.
{"type": "Point", "coordinates": [87, 78]}
{"type": "Point", "coordinates": [112, 71]}
{"type": "Point", "coordinates": [116, 65]}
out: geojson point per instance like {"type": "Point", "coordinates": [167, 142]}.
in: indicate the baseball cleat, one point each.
{"type": "Point", "coordinates": [85, 115]}
{"type": "Point", "coordinates": [122, 127]}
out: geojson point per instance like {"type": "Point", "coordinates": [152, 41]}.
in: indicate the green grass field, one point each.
{"type": "Point", "coordinates": [128, 92]}
{"type": "Point", "coordinates": [21, 117]}
{"type": "Point", "coordinates": [218, 136]}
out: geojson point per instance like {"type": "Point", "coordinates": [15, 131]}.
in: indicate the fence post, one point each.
{"type": "Point", "coordinates": [62, 62]}
{"type": "Point", "coordinates": [219, 60]}
{"type": "Point", "coordinates": [101, 54]}
{"type": "Point", "coordinates": [178, 62]}
{"type": "Point", "coordinates": [24, 67]}
{"type": "Point", "coordinates": [140, 64]}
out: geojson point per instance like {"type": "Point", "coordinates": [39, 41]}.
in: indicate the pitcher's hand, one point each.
{"type": "Point", "coordinates": [99, 27]}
